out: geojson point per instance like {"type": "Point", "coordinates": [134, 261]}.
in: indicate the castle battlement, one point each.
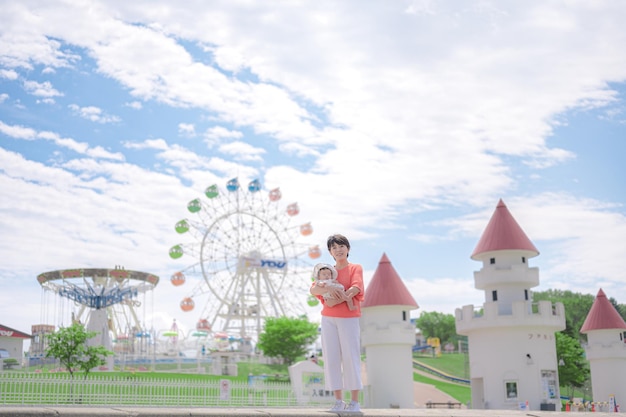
{"type": "Point", "coordinates": [546, 314]}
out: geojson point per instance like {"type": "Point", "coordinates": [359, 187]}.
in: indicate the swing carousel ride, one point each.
{"type": "Point", "coordinates": [246, 262]}
{"type": "Point", "coordinates": [110, 302]}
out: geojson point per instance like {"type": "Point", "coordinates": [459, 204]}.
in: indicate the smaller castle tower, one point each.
{"type": "Point", "coordinates": [388, 336]}
{"type": "Point", "coordinates": [606, 350]}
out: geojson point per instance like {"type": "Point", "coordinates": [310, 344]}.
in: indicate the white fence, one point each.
{"type": "Point", "coordinates": [21, 388]}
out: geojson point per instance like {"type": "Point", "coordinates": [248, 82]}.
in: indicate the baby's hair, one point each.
{"type": "Point", "coordinates": [324, 268]}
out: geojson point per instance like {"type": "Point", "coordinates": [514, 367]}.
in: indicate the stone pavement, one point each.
{"type": "Point", "coordinates": [423, 393]}
{"type": "Point", "coordinates": [58, 411]}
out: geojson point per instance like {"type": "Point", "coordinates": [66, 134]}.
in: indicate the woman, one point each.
{"type": "Point", "coordinates": [341, 333]}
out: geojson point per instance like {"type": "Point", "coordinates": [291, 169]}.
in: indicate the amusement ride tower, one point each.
{"type": "Point", "coordinates": [107, 301]}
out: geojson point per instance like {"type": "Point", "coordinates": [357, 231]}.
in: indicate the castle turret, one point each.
{"type": "Point", "coordinates": [606, 350]}
{"type": "Point", "coordinates": [388, 337]}
{"type": "Point", "coordinates": [512, 347]}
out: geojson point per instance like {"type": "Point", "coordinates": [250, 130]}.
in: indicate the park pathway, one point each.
{"type": "Point", "coordinates": [422, 392]}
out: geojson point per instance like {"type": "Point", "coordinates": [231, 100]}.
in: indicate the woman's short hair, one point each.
{"type": "Point", "coordinates": [338, 240]}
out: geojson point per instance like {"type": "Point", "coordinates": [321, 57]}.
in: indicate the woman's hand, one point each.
{"type": "Point", "coordinates": [318, 289]}
{"type": "Point", "coordinates": [352, 291]}
{"type": "Point", "coordinates": [336, 296]}
{"type": "Point", "coordinates": [331, 302]}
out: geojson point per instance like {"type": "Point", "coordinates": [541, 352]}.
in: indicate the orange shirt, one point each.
{"type": "Point", "coordinates": [350, 276]}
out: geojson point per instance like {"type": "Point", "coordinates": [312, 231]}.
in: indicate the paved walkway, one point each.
{"type": "Point", "coordinates": [58, 411]}
{"type": "Point", "coordinates": [423, 393]}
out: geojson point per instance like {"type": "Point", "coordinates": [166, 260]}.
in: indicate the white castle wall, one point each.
{"type": "Point", "coordinates": [606, 352]}
{"type": "Point", "coordinates": [512, 347]}
{"type": "Point", "coordinates": [387, 336]}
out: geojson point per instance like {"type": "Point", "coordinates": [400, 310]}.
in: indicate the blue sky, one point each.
{"type": "Point", "coordinates": [398, 124]}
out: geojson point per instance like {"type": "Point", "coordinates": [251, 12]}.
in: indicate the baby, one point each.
{"type": "Point", "coordinates": [326, 277]}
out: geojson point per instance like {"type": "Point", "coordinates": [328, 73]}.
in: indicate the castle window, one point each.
{"type": "Point", "coordinates": [403, 315]}
{"type": "Point", "coordinates": [511, 390]}
{"type": "Point", "coordinates": [523, 259]}
{"type": "Point", "coordinates": [494, 295]}
{"type": "Point", "coordinates": [526, 295]}
{"type": "Point", "coordinates": [492, 261]}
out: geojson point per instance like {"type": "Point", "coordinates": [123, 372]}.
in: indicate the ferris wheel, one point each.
{"type": "Point", "coordinates": [247, 258]}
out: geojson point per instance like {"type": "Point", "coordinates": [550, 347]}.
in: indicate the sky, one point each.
{"type": "Point", "coordinates": [399, 124]}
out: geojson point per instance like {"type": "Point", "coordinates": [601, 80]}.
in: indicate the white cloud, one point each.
{"type": "Point", "coordinates": [135, 105]}
{"type": "Point", "coordinates": [23, 133]}
{"type": "Point", "coordinates": [220, 132]}
{"type": "Point", "coordinates": [93, 113]}
{"type": "Point", "coordinates": [186, 129]}
{"type": "Point", "coordinates": [192, 166]}
{"type": "Point", "coordinates": [8, 74]}
{"type": "Point", "coordinates": [18, 132]}
{"type": "Point", "coordinates": [242, 151]}
{"type": "Point", "coordinates": [43, 89]}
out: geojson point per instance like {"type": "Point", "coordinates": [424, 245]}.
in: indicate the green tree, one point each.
{"type": "Point", "coordinates": [435, 324]}
{"type": "Point", "coordinates": [287, 338]}
{"type": "Point", "coordinates": [576, 306]}
{"type": "Point", "coordinates": [573, 367]}
{"type": "Point", "coordinates": [69, 346]}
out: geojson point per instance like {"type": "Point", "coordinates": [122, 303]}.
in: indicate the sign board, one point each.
{"type": "Point", "coordinates": [307, 380]}
{"type": "Point", "coordinates": [225, 389]}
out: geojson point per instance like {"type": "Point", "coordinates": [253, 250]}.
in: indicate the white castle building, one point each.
{"type": "Point", "coordinates": [606, 350]}
{"type": "Point", "coordinates": [388, 337]}
{"type": "Point", "coordinates": [512, 348]}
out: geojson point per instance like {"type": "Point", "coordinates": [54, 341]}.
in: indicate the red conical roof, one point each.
{"type": "Point", "coordinates": [602, 315]}
{"type": "Point", "coordinates": [503, 233]}
{"type": "Point", "coordinates": [386, 288]}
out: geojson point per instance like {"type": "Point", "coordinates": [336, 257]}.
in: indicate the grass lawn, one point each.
{"type": "Point", "coordinates": [449, 363]}
{"type": "Point", "coordinates": [452, 364]}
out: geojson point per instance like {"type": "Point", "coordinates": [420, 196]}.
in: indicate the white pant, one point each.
{"type": "Point", "coordinates": [341, 349]}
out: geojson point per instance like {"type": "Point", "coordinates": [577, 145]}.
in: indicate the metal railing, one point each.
{"type": "Point", "coordinates": [21, 388]}
{"type": "Point", "coordinates": [442, 375]}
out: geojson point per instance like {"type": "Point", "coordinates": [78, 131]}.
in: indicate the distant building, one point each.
{"type": "Point", "coordinates": [388, 336]}
{"type": "Point", "coordinates": [606, 350]}
{"type": "Point", "coordinates": [12, 343]}
{"type": "Point", "coordinates": [512, 347]}
{"type": "Point", "coordinates": [39, 344]}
